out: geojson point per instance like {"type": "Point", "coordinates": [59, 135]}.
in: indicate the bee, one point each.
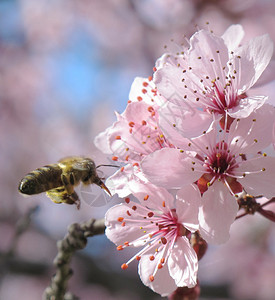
{"type": "Point", "coordinates": [58, 180]}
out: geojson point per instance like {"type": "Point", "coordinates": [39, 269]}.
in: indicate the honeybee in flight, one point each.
{"type": "Point", "coordinates": [58, 180]}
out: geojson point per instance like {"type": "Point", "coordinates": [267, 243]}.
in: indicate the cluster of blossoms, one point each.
{"type": "Point", "coordinates": [192, 139]}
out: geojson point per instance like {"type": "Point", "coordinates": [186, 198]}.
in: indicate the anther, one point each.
{"type": "Point", "coordinates": [124, 266]}
{"type": "Point", "coordinates": [163, 240]}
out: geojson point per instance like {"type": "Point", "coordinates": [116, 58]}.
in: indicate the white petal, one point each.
{"type": "Point", "coordinates": [217, 213]}
{"type": "Point", "coordinates": [183, 263]}
{"type": "Point", "coordinates": [138, 87]}
{"type": "Point", "coordinates": [255, 56]}
{"type": "Point", "coordinates": [233, 36]}
{"type": "Point", "coordinates": [163, 283]}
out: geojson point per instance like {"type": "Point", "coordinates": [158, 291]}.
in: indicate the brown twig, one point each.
{"type": "Point", "coordinates": [76, 239]}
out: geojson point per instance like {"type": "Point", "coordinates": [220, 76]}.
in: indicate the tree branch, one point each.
{"type": "Point", "coordinates": [76, 239]}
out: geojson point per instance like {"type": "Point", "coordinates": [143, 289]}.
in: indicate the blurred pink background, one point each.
{"type": "Point", "coordinates": [65, 66]}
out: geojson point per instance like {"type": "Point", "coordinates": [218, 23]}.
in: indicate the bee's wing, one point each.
{"type": "Point", "coordinates": [100, 174]}
{"type": "Point", "coordinates": [94, 195]}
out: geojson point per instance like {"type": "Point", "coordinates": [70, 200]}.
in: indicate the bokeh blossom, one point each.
{"type": "Point", "coordinates": [161, 225]}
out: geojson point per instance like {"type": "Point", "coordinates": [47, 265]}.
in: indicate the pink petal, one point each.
{"type": "Point", "coordinates": [217, 213]}
{"type": "Point", "coordinates": [258, 182]}
{"type": "Point", "coordinates": [249, 132]}
{"type": "Point", "coordinates": [255, 56]}
{"type": "Point", "coordinates": [169, 168]}
{"type": "Point", "coordinates": [267, 76]}
{"type": "Point", "coordinates": [182, 121]}
{"type": "Point", "coordinates": [189, 201]}
{"type": "Point", "coordinates": [130, 137]}
{"type": "Point", "coordinates": [153, 196]}
{"type": "Point", "coordinates": [117, 233]}
{"type": "Point", "coordinates": [144, 90]}
{"type": "Point", "coordinates": [121, 182]}
{"type": "Point", "coordinates": [233, 36]}
{"type": "Point", "coordinates": [169, 83]}
{"type": "Point", "coordinates": [183, 263]}
{"type": "Point", "coordinates": [246, 106]}
{"type": "Point", "coordinates": [163, 283]}
{"type": "Point", "coordinates": [102, 141]}
{"type": "Point", "coordinates": [204, 45]}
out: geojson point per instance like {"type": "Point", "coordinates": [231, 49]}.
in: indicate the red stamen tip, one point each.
{"type": "Point", "coordinates": [124, 266]}
{"type": "Point", "coordinates": [146, 197]}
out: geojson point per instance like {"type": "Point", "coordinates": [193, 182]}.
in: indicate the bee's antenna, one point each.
{"type": "Point", "coordinates": [107, 166]}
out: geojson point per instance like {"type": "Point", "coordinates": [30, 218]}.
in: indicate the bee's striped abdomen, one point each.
{"type": "Point", "coordinates": [41, 180]}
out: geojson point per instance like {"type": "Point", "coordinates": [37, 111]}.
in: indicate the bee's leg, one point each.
{"type": "Point", "coordinates": [72, 199]}
{"type": "Point", "coordinates": [56, 195]}
{"type": "Point", "coordinates": [68, 181]}
{"type": "Point", "coordinates": [60, 195]}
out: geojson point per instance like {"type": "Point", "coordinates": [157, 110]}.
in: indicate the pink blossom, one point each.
{"type": "Point", "coordinates": [222, 163]}
{"type": "Point", "coordinates": [215, 74]}
{"type": "Point", "coordinates": [134, 135]}
{"type": "Point", "coordinates": [161, 225]}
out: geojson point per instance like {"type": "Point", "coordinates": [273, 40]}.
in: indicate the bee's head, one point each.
{"type": "Point", "coordinates": [27, 186]}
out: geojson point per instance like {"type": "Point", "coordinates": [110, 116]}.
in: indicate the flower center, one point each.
{"type": "Point", "coordinates": [220, 164]}
{"type": "Point", "coordinates": [158, 233]}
